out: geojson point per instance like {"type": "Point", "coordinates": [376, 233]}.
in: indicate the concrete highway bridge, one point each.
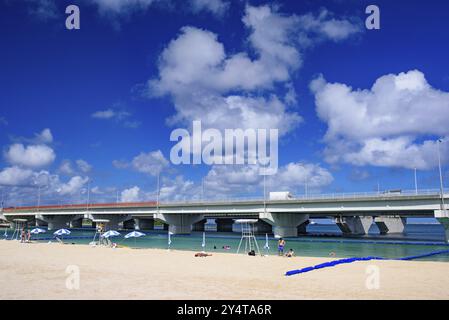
{"type": "Point", "coordinates": [353, 213]}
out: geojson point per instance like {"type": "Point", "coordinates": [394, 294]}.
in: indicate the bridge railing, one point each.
{"type": "Point", "coordinates": [59, 203]}
{"type": "Point", "coordinates": [322, 196]}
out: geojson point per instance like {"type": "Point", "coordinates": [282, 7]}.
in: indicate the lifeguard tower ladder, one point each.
{"type": "Point", "coordinates": [248, 236]}
{"type": "Point", "coordinates": [19, 224]}
{"type": "Point", "coordinates": [99, 230]}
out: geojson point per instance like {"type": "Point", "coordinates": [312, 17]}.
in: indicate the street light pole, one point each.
{"type": "Point", "coordinates": [202, 189]}
{"type": "Point", "coordinates": [3, 198]}
{"type": "Point", "coordinates": [158, 190]}
{"type": "Point", "coordinates": [88, 194]}
{"type": "Point", "coordinates": [264, 191]}
{"type": "Point", "coordinates": [441, 177]}
{"type": "Point", "coordinates": [416, 183]}
{"type": "Point", "coordinates": [38, 197]}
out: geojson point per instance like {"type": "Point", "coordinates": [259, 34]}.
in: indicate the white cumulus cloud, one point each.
{"type": "Point", "coordinates": [236, 90]}
{"type": "Point", "coordinates": [73, 186]}
{"type": "Point", "coordinates": [15, 176]}
{"type": "Point", "coordinates": [216, 7]}
{"type": "Point", "coordinates": [131, 195]}
{"type": "Point", "coordinates": [395, 123]}
{"type": "Point", "coordinates": [33, 156]}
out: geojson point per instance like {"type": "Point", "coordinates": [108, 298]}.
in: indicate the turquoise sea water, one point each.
{"type": "Point", "coordinates": [418, 239]}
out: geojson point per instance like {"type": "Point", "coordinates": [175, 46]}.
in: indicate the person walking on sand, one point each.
{"type": "Point", "coordinates": [281, 245]}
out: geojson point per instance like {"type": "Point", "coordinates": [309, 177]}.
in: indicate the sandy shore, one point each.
{"type": "Point", "coordinates": [38, 271]}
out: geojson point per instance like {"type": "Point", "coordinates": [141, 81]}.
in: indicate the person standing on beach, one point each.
{"type": "Point", "coordinates": [22, 236]}
{"type": "Point", "coordinates": [281, 245]}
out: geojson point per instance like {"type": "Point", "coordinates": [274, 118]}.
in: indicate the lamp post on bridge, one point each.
{"type": "Point", "coordinates": [416, 183]}
{"type": "Point", "coordinates": [158, 190]}
{"type": "Point", "coordinates": [443, 208]}
{"type": "Point", "coordinates": [88, 194]}
{"type": "Point", "coordinates": [3, 198]}
{"type": "Point", "coordinates": [38, 197]}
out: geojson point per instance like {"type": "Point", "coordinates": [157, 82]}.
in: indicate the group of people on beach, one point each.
{"type": "Point", "coordinates": [25, 235]}
{"type": "Point", "coordinates": [281, 245]}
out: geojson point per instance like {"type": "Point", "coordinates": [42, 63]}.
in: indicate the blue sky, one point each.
{"type": "Point", "coordinates": [100, 103]}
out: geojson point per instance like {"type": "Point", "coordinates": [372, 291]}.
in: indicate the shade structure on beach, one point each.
{"type": "Point", "coordinates": [37, 231]}
{"type": "Point", "coordinates": [61, 232]}
{"type": "Point", "coordinates": [203, 244]}
{"type": "Point", "coordinates": [266, 246]}
{"type": "Point", "coordinates": [169, 238]}
{"type": "Point", "coordinates": [134, 234]}
{"type": "Point", "coordinates": [110, 233]}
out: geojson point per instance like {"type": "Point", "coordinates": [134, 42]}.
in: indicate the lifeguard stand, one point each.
{"type": "Point", "coordinates": [100, 229]}
{"type": "Point", "coordinates": [248, 236]}
{"type": "Point", "coordinates": [19, 224]}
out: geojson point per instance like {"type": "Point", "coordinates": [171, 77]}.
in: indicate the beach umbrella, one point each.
{"type": "Point", "coordinates": [169, 238]}
{"type": "Point", "coordinates": [134, 234]}
{"type": "Point", "coordinates": [110, 233]}
{"type": "Point", "coordinates": [37, 231]}
{"type": "Point", "coordinates": [204, 241]}
{"type": "Point", "coordinates": [61, 232]}
{"type": "Point", "coordinates": [266, 246]}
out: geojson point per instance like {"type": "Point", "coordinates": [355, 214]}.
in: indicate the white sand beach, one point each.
{"type": "Point", "coordinates": [38, 271]}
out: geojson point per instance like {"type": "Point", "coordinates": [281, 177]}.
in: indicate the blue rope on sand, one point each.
{"type": "Point", "coordinates": [350, 260]}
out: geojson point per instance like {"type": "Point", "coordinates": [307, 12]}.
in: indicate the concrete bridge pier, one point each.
{"type": "Point", "coordinates": [443, 218]}
{"type": "Point", "coordinates": [77, 223]}
{"type": "Point", "coordinates": [199, 226]}
{"type": "Point", "coordinates": [179, 223]}
{"type": "Point", "coordinates": [41, 223]}
{"type": "Point", "coordinates": [224, 224]}
{"type": "Point", "coordinates": [56, 222]}
{"type": "Point", "coordinates": [354, 225]}
{"type": "Point", "coordinates": [129, 224]}
{"type": "Point", "coordinates": [302, 228]}
{"type": "Point", "coordinates": [143, 224]}
{"type": "Point", "coordinates": [114, 219]}
{"type": "Point", "coordinates": [284, 224]}
{"type": "Point", "coordinates": [393, 224]}
{"type": "Point", "coordinates": [262, 227]}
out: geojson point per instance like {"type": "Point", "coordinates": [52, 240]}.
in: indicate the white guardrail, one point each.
{"type": "Point", "coordinates": [303, 197]}
{"type": "Point", "coordinates": [323, 196]}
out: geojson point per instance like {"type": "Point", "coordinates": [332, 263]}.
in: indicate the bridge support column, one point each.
{"type": "Point", "coordinates": [393, 224]}
{"type": "Point", "coordinates": [284, 224]}
{"type": "Point", "coordinates": [354, 225]}
{"type": "Point", "coordinates": [179, 223]}
{"type": "Point", "coordinates": [41, 223]}
{"type": "Point", "coordinates": [199, 226]}
{"type": "Point", "coordinates": [143, 224]}
{"type": "Point", "coordinates": [302, 228]}
{"type": "Point", "coordinates": [58, 221]}
{"type": "Point", "coordinates": [114, 219]}
{"type": "Point", "coordinates": [262, 227]}
{"type": "Point", "coordinates": [224, 224]}
{"type": "Point", "coordinates": [77, 223]}
{"type": "Point", "coordinates": [129, 224]}
{"type": "Point", "coordinates": [443, 218]}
